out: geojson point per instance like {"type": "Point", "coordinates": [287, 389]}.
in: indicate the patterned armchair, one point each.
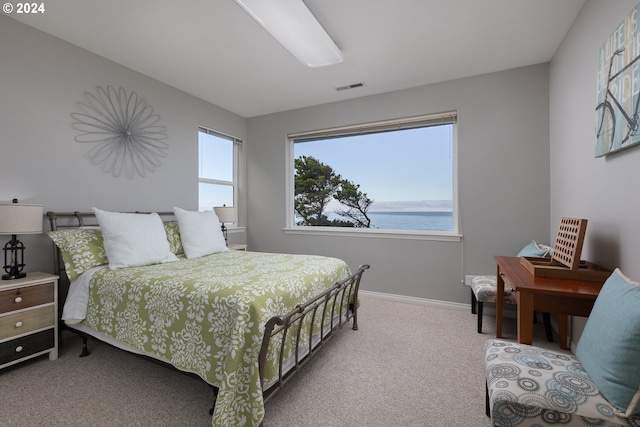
{"type": "Point", "coordinates": [599, 386]}
{"type": "Point", "coordinates": [530, 386]}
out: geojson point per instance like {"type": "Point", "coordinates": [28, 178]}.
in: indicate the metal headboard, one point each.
{"type": "Point", "coordinates": [77, 219]}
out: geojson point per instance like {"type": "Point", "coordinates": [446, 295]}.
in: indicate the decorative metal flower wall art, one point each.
{"type": "Point", "coordinates": [124, 130]}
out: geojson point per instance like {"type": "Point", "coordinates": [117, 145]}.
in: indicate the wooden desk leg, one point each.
{"type": "Point", "coordinates": [499, 302]}
{"type": "Point", "coordinates": [562, 331]}
{"type": "Point", "coordinates": [525, 318]}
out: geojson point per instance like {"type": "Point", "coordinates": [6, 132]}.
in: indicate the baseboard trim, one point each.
{"type": "Point", "coordinates": [416, 300]}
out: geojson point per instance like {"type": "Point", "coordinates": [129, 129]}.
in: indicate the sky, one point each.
{"type": "Point", "coordinates": [215, 161]}
{"type": "Point", "coordinates": [413, 165]}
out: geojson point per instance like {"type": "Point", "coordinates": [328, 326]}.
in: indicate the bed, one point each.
{"type": "Point", "coordinates": [243, 321]}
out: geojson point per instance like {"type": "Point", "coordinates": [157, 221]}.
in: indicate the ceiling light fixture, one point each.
{"type": "Point", "coordinates": [294, 26]}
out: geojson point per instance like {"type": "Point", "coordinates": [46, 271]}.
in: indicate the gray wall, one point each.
{"type": "Point", "coordinates": [503, 151]}
{"type": "Point", "coordinates": [525, 140]}
{"type": "Point", "coordinates": [41, 79]}
{"type": "Point", "coordinates": [503, 160]}
{"type": "Point", "coordinates": [599, 189]}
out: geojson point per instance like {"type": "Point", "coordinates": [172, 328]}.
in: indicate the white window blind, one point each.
{"type": "Point", "coordinates": [377, 127]}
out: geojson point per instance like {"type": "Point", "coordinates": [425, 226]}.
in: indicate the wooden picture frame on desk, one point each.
{"type": "Point", "coordinates": [564, 297]}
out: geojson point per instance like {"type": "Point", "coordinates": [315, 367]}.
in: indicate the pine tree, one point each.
{"type": "Point", "coordinates": [316, 184]}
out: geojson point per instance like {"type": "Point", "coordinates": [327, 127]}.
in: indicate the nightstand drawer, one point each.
{"type": "Point", "coordinates": [27, 321]}
{"type": "Point", "coordinates": [26, 346]}
{"type": "Point", "coordinates": [27, 296]}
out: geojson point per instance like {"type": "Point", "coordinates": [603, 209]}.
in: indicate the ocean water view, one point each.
{"type": "Point", "coordinates": [407, 220]}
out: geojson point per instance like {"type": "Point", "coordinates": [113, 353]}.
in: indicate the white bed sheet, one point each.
{"type": "Point", "coordinates": [75, 306]}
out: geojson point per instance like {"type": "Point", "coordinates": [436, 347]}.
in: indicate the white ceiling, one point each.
{"type": "Point", "coordinates": [213, 50]}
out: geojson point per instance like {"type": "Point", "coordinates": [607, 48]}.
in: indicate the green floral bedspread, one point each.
{"type": "Point", "coordinates": [207, 315]}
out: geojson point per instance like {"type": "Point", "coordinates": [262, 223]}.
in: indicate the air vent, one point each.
{"type": "Point", "coordinates": [351, 86]}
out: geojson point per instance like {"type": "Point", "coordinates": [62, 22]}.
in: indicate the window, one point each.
{"type": "Point", "coordinates": [218, 156]}
{"type": "Point", "coordinates": [392, 176]}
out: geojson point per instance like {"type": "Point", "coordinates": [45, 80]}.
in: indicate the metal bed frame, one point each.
{"type": "Point", "coordinates": [338, 303]}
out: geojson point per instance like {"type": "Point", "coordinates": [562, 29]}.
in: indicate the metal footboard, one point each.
{"type": "Point", "coordinates": [335, 306]}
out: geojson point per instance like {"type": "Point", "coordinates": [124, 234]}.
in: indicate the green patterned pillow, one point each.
{"type": "Point", "coordinates": [81, 249]}
{"type": "Point", "coordinates": [173, 236]}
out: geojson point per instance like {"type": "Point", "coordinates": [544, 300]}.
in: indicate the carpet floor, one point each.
{"type": "Point", "coordinates": [407, 365]}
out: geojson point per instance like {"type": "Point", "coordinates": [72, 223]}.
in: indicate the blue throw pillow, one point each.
{"type": "Point", "coordinates": [535, 250]}
{"type": "Point", "coordinates": [609, 347]}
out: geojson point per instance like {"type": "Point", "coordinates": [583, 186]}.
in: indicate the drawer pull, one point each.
{"type": "Point", "coordinates": [19, 349]}
{"type": "Point", "coordinates": [18, 324]}
{"type": "Point", "coordinates": [18, 299]}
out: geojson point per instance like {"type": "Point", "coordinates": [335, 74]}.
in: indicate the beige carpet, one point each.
{"type": "Point", "coordinates": [408, 365]}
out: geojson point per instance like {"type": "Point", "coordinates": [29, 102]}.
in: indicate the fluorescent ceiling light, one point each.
{"type": "Point", "coordinates": [294, 26]}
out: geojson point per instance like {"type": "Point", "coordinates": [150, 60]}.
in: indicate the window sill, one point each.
{"type": "Point", "coordinates": [384, 234]}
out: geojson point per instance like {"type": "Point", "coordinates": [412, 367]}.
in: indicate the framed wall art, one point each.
{"type": "Point", "coordinates": [618, 88]}
{"type": "Point", "coordinates": [123, 130]}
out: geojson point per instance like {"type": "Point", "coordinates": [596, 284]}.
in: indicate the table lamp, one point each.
{"type": "Point", "coordinates": [226, 214]}
{"type": "Point", "coordinates": [17, 219]}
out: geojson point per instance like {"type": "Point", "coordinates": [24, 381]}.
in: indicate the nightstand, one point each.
{"type": "Point", "coordinates": [237, 247]}
{"type": "Point", "coordinates": [28, 318]}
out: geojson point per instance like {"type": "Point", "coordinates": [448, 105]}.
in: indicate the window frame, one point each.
{"type": "Point", "coordinates": [235, 183]}
{"type": "Point", "coordinates": [449, 117]}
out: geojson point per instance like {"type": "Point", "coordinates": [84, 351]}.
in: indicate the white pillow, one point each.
{"type": "Point", "coordinates": [200, 232]}
{"type": "Point", "coordinates": [132, 240]}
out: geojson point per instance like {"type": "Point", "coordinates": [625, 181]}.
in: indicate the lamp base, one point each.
{"type": "Point", "coordinates": [13, 259]}
{"type": "Point", "coordinates": [13, 276]}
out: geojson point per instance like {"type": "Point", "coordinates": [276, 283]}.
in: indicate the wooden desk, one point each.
{"type": "Point", "coordinates": [562, 296]}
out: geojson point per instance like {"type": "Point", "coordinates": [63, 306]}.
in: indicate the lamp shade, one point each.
{"type": "Point", "coordinates": [226, 213]}
{"type": "Point", "coordinates": [20, 219]}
